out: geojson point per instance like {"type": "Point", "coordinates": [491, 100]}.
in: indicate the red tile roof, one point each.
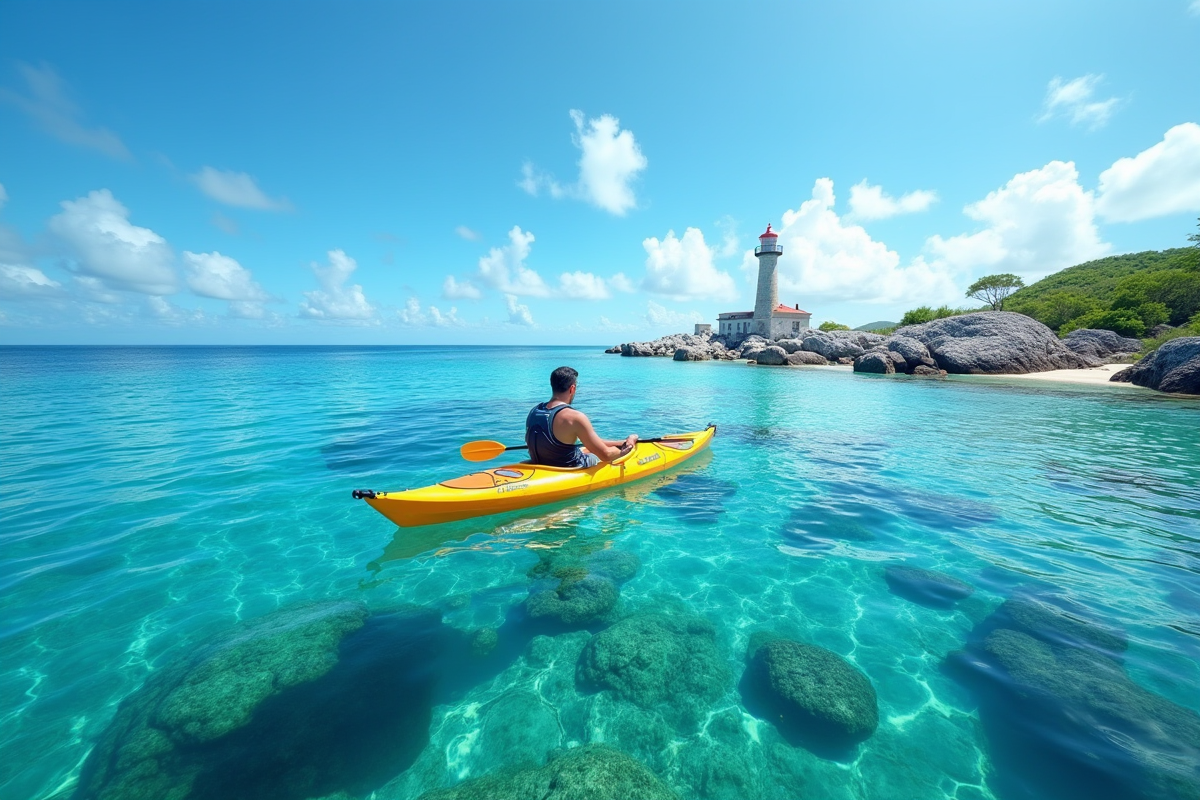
{"type": "Point", "coordinates": [782, 309]}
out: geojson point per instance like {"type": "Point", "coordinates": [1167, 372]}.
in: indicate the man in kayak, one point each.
{"type": "Point", "coordinates": [551, 425]}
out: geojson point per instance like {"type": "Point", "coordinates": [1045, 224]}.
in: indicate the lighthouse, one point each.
{"type": "Point", "coordinates": [769, 319]}
{"type": "Point", "coordinates": [767, 253]}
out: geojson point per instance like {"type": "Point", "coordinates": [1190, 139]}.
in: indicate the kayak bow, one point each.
{"type": "Point", "coordinates": [516, 486]}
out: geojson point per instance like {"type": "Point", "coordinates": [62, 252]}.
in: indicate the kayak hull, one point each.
{"type": "Point", "coordinates": [516, 486]}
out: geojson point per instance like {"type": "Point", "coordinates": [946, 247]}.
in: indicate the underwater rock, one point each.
{"type": "Point", "coordinates": [587, 582]}
{"type": "Point", "coordinates": [926, 587]}
{"type": "Point", "coordinates": [484, 641]}
{"type": "Point", "coordinates": [1062, 715]}
{"type": "Point", "coordinates": [304, 702]}
{"type": "Point", "coordinates": [575, 601]}
{"type": "Point", "coordinates": [928, 372]}
{"type": "Point", "coordinates": [698, 499]}
{"type": "Point", "coordinates": [590, 772]}
{"type": "Point", "coordinates": [655, 660]}
{"type": "Point", "coordinates": [814, 694]}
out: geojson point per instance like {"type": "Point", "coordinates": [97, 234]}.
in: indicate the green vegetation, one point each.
{"type": "Point", "coordinates": [1129, 294]}
{"type": "Point", "coordinates": [995, 289]}
{"type": "Point", "coordinates": [830, 325]}
{"type": "Point", "coordinates": [926, 314]}
{"type": "Point", "coordinates": [878, 326]}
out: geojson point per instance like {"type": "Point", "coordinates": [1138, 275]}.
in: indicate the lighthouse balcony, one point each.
{"type": "Point", "coordinates": [768, 249]}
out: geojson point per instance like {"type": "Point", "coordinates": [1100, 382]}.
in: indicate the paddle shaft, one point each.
{"type": "Point", "coordinates": [526, 447]}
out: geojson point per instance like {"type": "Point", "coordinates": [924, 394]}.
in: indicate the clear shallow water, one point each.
{"type": "Point", "coordinates": [153, 498]}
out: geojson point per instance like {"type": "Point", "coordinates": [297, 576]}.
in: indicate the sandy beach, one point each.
{"type": "Point", "coordinates": [1095, 376]}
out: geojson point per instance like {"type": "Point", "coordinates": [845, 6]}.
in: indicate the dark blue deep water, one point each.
{"type": "Point", "coordinates": [156, 502]}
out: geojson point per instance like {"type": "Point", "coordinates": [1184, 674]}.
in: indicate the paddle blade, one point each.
{"type": "Point", "coordinates": [482, 450]}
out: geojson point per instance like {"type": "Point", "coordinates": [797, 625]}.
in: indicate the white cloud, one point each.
{"type": "Point", "coordinates": [49, 105]}
{"type": "Point", "coordinates": [621, 283]}
{"type": "Point", "coordinates": [165, 311]}
{"type": "Point", "coordinates": [1039, 222]}
{"type": "Point", "coordinates": [237, 189]}
{"type": "Point", "coordinates": [93, 289]}
{"type": "Point", "coordinates": [1164, 179]}
{"type": "Point", "coordinates": [221, 277]}
{"type": "Point", "coordinates": [245, 309]}
{"type": "Point", "coordinates": [1073, 99]}
{"type": "Point", "coordinates": [334, 301]}
{"type": "Point", "coordinates": [466, 233]}
{"type": "Point", "coordinates": [455, 290]}
{"type": "Point", "coordinates": [683, 269]}
{"type": "Point", "coordinates": [109, 247]}
{"type": "Point", "coordinates": [582, 286]}
{"type": "Point", "coordinates": [503, 268]}
{"type": "Point", "coordinates": [412, 314]}
{"type": "Point", "coordinates": [518, 314]}
{"type": "Point", "coordinates": [19, 281]}
{"type": "Point", "coordinates": [662, 317]}
{"type": "Point", "coordinates": [823, 257]}
{"type": "Point", "coordinates": [610, 161]}
{"type": "Point", "coordinates": [1194, 8]}
{"type": "Point", "coordinates": [870, 202]}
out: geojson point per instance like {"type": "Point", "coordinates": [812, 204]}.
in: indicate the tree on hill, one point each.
{"type": "Point", "coordinates": [830, 325]}
{"type": "Point", "coordinates": [1194, 238]}
{"type": "Point", "coordinates": [995, 289]}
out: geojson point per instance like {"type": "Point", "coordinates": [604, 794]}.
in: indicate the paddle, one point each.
{"type": "Point", "coordinates": [485, 449]}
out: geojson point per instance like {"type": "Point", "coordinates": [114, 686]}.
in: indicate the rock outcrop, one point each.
{"type": "Point", "coordinates": [700, 347]}
{"type": "Point", "coordinates": [805, 358]}
{"type": "Point", "coordinates": [590, 772]}
{"type": "Point", "coordinates": [994, 343]}
{"type": "Point", "coordinates": [1173, 367]}
{"type": "Point", "coordinates": [875, 363]}
{"type": "Point", "coordinates": [812, 694]}
{"type": "Point", "coordinates": [1103, 345]}
{"type": "Point", "coordinates": [773, 356]}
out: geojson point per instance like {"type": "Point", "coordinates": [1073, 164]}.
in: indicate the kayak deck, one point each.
{"type": "Point", "coordinates": [515, 486]}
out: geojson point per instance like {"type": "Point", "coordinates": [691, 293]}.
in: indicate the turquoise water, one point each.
{"type": "Point", "coordinates": [153, 498]}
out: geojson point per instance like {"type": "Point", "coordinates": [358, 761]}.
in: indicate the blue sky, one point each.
{"type": "Point", "coordinates": [402, 173]}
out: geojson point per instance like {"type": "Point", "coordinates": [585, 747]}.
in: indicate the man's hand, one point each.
{"type": "Point", "coordinates": [630, 442]}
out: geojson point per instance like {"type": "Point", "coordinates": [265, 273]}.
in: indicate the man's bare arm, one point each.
{"type": "Point", "coordinates": [604, 449]}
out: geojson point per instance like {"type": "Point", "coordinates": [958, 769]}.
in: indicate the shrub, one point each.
{"type": "Point", "coordinates": [830, 325]}
{"type": "Point", "coordinates": [1056, 309]}
{"type": "Point", "coordinates": [1123, 321]}
{"type": "Point", "coordinates": [927, 314]}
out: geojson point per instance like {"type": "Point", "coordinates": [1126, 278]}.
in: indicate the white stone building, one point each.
{"type": "Point", "coordinates": [770, 318]}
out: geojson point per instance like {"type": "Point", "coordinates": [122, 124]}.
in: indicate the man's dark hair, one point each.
{"type": "Point", "coordinates": [562, 379]}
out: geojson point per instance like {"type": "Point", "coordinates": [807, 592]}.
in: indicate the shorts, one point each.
{"type": "Point", "coordinates": [590, 460]}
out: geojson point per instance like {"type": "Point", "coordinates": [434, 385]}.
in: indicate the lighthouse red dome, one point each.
{"type": "Point", "coordinates": [770, 234]}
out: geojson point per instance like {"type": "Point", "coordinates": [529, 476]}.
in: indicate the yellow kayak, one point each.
{"type": "Point", "coordinates": [517, 486]}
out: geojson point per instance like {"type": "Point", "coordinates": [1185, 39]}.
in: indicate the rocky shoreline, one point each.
{"type": "Point", "coordinates": [982, 343]}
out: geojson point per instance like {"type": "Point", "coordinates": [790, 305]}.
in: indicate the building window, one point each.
{"type": "Point", "coordinates": [795, 327]}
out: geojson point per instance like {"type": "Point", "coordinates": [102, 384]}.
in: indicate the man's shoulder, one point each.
{"type": "Point", "coordinates": [572, 414]}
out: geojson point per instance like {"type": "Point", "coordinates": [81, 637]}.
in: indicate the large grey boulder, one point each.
{"type": "Point", "coordinates": [876, 363]}
{"type": "Point", "coordinates": [832, 347]}
{"type": "Point", "coordinates": [636, 349]}
{"type": "Point", "coordinates": [772, 356]}
{"type": "Point", "coordinates": [1104, 345]}
{"type": "Point", "coordinates": [912, 351]}
{"type": "Point", "coordinates": [995, 343]}
{"type": "Point", "coordinates": [1174, 367]}
{"type": "Point", "coordinates": [791, 345]}
{"type": "Point", "coordinates": [692, 354]}
{"type": "Point", "coordinates": [805, 358]}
